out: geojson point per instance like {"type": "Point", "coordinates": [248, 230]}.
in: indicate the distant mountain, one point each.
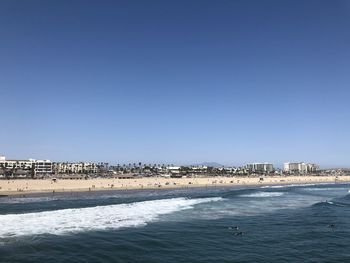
{"type": "Point", "coordinates": [211, 164]}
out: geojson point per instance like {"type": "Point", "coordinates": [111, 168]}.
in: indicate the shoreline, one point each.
{"type": "Point", "coordinates": [46, 186]}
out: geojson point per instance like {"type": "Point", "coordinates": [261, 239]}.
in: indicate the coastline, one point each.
{"type": "Point", "coordinates": [30, 186]}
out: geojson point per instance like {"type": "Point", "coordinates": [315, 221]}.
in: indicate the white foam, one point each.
{"type": "Point", "coordinates": [306, 184]}
{"type": "Point", "coordinates": [324, 189]}
{"type": "Point", "coordinates": [93, 218]}
{"type": "Point", "coordinates": [263, 194]}
{"type": "Point", "coordinates": [22, 200]}
{"type": "Point", "coordinates": [274, 186]}
{"type": "Point", "coordinates": [292, 185]}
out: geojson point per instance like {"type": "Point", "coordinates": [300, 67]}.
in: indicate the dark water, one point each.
{"type": "Point", "coordinates": [279, 224]}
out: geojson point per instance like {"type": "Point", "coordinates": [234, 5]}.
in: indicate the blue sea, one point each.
{"type": "Point", "coordinates": [309, 223]}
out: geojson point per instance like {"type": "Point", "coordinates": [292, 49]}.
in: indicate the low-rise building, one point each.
{"type": "Point", "coordinates": [43, 168]}
{"type": "Point", "coordinates": [174, 169]}
{"type": "Point", "coordinates": [12, 164]}
{"type": "Point", "coordinates": [75, 168]}
{"type": "Point", "coordinates": [17, 168]}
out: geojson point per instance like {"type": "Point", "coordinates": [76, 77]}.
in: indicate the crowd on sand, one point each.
{"type": "Point", "coordinates": [15, 187]}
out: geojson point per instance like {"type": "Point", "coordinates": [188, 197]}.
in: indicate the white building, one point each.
{"type": "Point", "coordinates": [75, 168]}
{"type": "Point", "coordinates": [311, 167]}
{"type": "Point", "coordinates": [198, 169]}
{"type": "Point", "coordinates": [260, 167]}
{"type": "Point", "coordinates": [301, 167]}
{"type": "Point", "coordinates": [173, 169]}
{"type": "Point", "coordinates": [295, 167]}
{"type": "Point", "coordinates": [17, 164]}
{"type": "Point", "coordinates": [43, 168]}
{"type": "Point", "coordinates": [17, 168]}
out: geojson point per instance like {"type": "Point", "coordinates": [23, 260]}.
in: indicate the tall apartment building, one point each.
{"type": "Point", "coordinates": [260, 167]}
{"type": "Point", "coordinates": [301, 167]}
{"type": "Point", "coordinates": [311, 167]}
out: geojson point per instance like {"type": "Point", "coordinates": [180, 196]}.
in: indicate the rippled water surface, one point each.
{"type": "Point", "coordinates": [309, 223]}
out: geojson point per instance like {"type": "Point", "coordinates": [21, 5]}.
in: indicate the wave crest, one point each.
{"type": "Point", "coordinates": [263, 194]}
{"type": "Point", "coordinates": [93, 218]}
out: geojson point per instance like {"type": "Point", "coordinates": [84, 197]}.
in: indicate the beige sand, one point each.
{"type": "Point", "coordinates": [20, 187]}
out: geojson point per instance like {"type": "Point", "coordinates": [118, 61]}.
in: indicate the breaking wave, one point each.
{"type": "Point", "coordinates": [97, 218]}
{"type": "Point", "coordinates": [274, 186]}
{"type": "Point", "coordinates": [324, 189]}
{"type": "Point", "coordinates": [263, 194]}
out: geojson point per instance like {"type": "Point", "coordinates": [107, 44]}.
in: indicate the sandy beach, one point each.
{"type": "Point", "coordinates": [20, 187]}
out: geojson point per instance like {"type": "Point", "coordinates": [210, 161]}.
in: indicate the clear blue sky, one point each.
{"type": "Point", "coordinates": [176, 81]}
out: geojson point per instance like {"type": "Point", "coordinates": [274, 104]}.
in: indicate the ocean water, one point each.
{"type": "Point", "coordinates": [309, 223]}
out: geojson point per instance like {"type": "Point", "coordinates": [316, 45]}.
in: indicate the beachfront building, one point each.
{"type": "Point", "coordinates": [32, 168]}
{"type": "Point", "coordinates": [13, 164]}
{"type": "Point", "coordinates": [174, 171]}
{"type": "Point", "coordinates": [10, 164]}
{"type": "Point", "coordinates": [43, 168]}
{"type": "Point", "coordinates": [295, 167]}
{"type": "Point", "coordinates": [75, 168]}
{"type": "Point", "coordinates": [260, 167]}
{"type": "Point", "coordinates": [90, 168]}
{"type": "Point", "coordinates": [311, 167]}
{"type": "Point", "coordinates": [202, 169]}
{"type": "Point", "coordinates": [17, 168]}
{"type": "Point", "coordinates": [301, 168]}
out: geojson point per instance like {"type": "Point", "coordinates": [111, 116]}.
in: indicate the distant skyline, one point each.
{"type": "Point", "coordinates": [183, 82]}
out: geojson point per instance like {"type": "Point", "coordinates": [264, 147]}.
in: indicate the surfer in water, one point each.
{"type": "Point", "coordinates": [236, 229]}
{"type": "Point", "coordinates": [240, 233]}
